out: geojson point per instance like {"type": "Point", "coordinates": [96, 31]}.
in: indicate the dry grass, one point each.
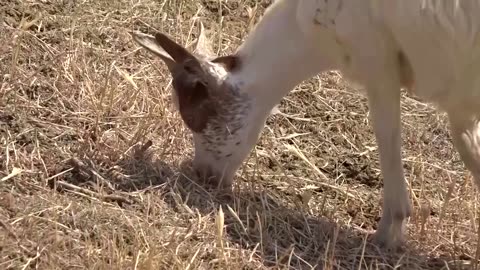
{"type": "Point", "coordinates": [82, 188]}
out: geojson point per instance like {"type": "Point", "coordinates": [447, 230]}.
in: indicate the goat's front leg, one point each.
{"type": "Point", "coordinates": [384, 105]}
{"type": "Point", "coordinates": [465, 130]}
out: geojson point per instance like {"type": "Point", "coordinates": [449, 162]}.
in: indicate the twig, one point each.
{"type": "Point", "coordinates": [141, 151]}
{"type": "Point", "coordinates": [8, 228]}
{"type": "Point", "coordinates": [15, 172]}
{"type": "Point", "coordinates": [107, 197]}
{"type": "Point", "coordinates": [81, 166]}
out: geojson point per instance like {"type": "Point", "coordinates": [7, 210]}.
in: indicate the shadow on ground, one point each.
{"type": "Point", "coordinates": [255, 220]}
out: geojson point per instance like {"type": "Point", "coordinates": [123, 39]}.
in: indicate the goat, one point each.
{"type": "Point", "coordinates": [430, 47]}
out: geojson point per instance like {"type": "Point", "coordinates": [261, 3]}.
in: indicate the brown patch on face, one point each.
{"type": "Point", "coordinates": [195, 102]}
{"type": "Point", "coordinates": [196, 88]}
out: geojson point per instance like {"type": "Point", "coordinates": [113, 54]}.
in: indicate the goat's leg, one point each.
{"type": "Point", "coordinates": [465, 130]}
{"type": "Point", "coordinates": [385, 112]}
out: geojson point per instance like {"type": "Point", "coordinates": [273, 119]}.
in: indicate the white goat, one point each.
{"type": "Point", "coordinates": [433, 45]}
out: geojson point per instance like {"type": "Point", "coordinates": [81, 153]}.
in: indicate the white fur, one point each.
{"type": "Point", "coordinates": [297, 39]}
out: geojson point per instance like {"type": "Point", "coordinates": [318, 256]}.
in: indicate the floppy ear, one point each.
{"type": "Point", "coordinates": [150, 43]}
{"type": "Point", "coordinates": [195, 104]}
{"type": "Point", "coordinates": [168, 50]}
{"type": "Point", "coordinates": [175, 50]}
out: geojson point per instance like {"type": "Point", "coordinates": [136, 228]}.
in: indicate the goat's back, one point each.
{"type": "Point", "coordinates": [441, 39]}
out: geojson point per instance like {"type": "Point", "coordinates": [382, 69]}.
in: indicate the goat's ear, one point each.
{"type": "Point", "coordinates": [150, 43]}
{"type": "Point", "coordinates": [195, 104]}
{"type": "Point", "coordinates": [168, 50]}
{"type": "Point", "coordinates": [230, 62]}
{"type": "Point", "coordinates": [203, 45]}
{"type": "Point", "coordinates": [175, 50]}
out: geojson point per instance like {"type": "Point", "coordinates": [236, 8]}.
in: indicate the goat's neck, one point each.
{"type": "Point", "coordinates": [276, 56]}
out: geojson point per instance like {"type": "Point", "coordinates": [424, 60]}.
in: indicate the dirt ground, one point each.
{"type": "Point", "coordinates": [82, 188]}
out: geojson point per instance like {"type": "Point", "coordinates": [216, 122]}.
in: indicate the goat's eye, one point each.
{"type": "Point", "coordinates": [188, 69]}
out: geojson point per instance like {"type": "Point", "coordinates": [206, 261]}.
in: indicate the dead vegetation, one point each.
{"type": "Point", "coordinates": [94, 163]}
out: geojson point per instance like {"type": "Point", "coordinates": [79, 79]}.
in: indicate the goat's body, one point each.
{"type": "Point", "coordinates": [431, 47]}
{"type": "Point", "coordinates": [439, 39]}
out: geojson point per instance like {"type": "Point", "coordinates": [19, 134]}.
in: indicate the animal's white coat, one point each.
{"type": "Point", "coordinates": [439, 40]}
{"type": "Point", "coordinates": [430, 46]}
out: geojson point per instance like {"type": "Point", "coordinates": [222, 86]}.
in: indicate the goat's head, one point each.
{"type": "Point", "coordinates": [215, 109]}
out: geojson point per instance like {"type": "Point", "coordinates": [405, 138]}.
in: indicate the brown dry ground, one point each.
{"type": "Point", "coordinates": [80, 190]}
